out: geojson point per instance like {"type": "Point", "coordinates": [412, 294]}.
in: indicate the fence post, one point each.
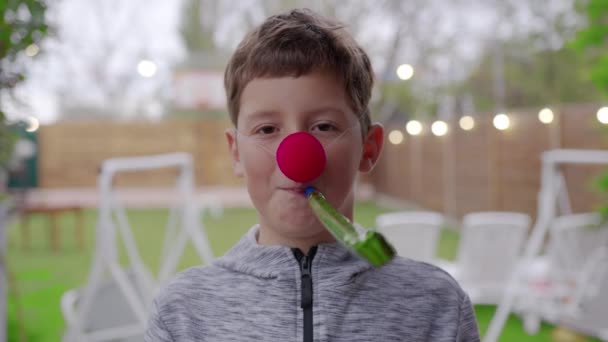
{"type": "Point", "coordinates": [448, 155]}
{"type": "Point", "coordinates": [415, 168]}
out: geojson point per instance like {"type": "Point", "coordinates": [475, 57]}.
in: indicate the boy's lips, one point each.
{"type": "Point", "coordinates": [295, 189]}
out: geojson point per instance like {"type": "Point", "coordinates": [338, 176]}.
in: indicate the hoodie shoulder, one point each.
{"type": "Point", "coordinates": [422, 276]}
{"type": "Point", "coordinates": [194, 281]}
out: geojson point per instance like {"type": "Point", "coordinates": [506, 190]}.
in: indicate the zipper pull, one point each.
{"type": "Point", "coordinates": [306, 283]}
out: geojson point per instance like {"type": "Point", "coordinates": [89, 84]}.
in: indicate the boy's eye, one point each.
{"type": "Point", "coordinates": [265, 130]}
{"type": "Point", "coordinates": [325, 127]}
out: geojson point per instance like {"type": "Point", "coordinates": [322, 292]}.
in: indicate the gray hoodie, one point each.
{"type": "Point", "coordinates": [263, 293]}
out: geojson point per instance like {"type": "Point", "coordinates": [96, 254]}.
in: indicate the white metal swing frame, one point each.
{"type": "Point", "coordinates": [551, 193]}
{"type": "Point", "coordinates": [137, 286]}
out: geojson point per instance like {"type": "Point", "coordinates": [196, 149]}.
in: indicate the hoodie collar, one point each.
{"type": "Point", "coordinates": [249, 257]}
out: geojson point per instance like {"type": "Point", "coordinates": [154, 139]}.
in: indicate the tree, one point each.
{"type": "Point", "coordinates": [22, 26]}
{"type": "Point", "coordinates": [592, 41]}
{"type": "Point", "coordinates": [536, 78]}
{"type": "Point", "coordinates": [91, 63]}
{"type": "Point", "coordinates": [457, 55]}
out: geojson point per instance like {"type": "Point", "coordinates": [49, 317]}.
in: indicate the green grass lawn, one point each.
{"type": "Point", "coordinates": [39, 276]}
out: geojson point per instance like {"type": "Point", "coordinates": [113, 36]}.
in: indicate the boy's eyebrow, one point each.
{"type": "Point", "coordinates": [326, 110]}
{"type": "Point", "coordinates": [260, 115]}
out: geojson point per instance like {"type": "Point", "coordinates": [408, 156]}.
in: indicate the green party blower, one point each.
{"type": "Point", "coordinates": [301, 157]}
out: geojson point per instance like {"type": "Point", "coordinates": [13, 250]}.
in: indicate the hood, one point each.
{"type": "Point", "coordinates": [248, 257]}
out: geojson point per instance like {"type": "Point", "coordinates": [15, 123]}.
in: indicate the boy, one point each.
{"type": "Point", "coordinates": [287, 279]}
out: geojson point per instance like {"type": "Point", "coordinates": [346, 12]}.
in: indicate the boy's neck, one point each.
{"type": "Point", "coordinates": [268, 238]}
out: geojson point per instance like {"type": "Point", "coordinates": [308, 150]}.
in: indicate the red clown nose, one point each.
{"type": "Point", "coordinates": [301, 157]}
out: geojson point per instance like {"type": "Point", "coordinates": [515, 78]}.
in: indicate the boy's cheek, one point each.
{"type": "Point", "coordinates": [237, 168]}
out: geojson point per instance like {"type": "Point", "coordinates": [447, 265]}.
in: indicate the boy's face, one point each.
{"type": "Point", "coordinates": [271, 109]}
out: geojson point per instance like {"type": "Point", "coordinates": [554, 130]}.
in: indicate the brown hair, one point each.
{"type": "Point", "coordinates": [297, 43]}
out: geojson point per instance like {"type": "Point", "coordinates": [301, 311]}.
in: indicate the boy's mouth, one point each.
{"type": "Point", "coordinates": [295, 189]}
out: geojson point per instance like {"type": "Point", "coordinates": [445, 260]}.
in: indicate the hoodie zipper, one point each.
{"type": "Point", "coordinates": [305, 262]}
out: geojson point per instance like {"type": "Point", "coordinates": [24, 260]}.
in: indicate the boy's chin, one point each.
{"type": "Point", "coordinates": [299, 223]}
{"type": "Point", "coordinates": [305, 226]}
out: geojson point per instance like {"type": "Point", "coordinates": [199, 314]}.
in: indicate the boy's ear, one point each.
{"type": "Point", "coordinates": [237, 167]}
{"type": "Point", "coordinates": [372, 146]}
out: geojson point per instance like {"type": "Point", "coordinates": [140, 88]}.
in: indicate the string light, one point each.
{"type": "Point", "coordinates": [405, 72]}
{"type": "Point", "coordinates": [32, 50]}
{"type": "Point", "coordinates": [146, 68]}
{"type": "Point", "coordinates": [395, 137]}
{"type": "Point", "coordinates": [501, 121]}
{"type": "Point", "coordinates": [467, 123]}
{"type": "Point", "coordinates": [546, 116]}
{"type": "Point", "coordinates": [413, 127]}
{"type": "Point", "coordinates": [32, 124]}
{"type": "Point", "coordinates": [602, 115]}
{"type": "Point", "coordinates": [439, 128]}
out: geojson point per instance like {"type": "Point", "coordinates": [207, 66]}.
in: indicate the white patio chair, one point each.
{"type": "Point", "coordinates": [489, 250]}
{"type": "Point", "coordinates": [572, 241]}
{"type": "Point", "coordinates": [589, 313]}
{"type": "Point", "coordinates": [414, 234]}
{"type": "Point", "coordinates": [573, 280]}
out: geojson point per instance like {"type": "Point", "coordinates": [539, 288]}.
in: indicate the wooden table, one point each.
{"type": "Point", "coordinates": [52, 213]}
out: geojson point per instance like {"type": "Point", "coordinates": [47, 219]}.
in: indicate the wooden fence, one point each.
{"type": "Point", "coordinates": [487, 169]}
{"type": "Point", "coordinates": [464, 171]}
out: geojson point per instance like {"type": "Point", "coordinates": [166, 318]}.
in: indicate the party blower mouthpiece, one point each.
{"type": "Point", "coordinates": [301, 157]}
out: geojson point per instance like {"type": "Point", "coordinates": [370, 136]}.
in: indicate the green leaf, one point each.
{"type": "Point", "coordinates": [602, 182]}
